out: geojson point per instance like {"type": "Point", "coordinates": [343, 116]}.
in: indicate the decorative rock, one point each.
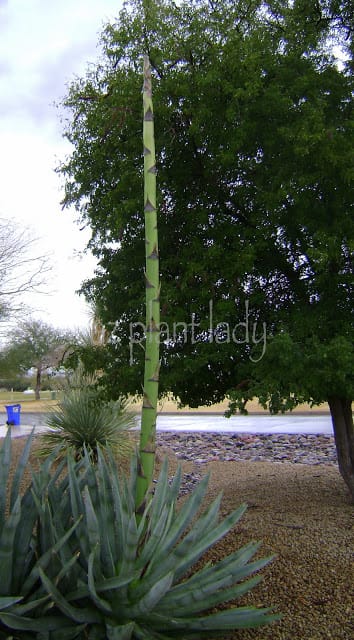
{"type": "Point", "coordinates": [204, 447]}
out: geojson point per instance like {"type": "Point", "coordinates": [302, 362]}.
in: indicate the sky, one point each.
{"type": "Point", "coordinates": [44, 44]}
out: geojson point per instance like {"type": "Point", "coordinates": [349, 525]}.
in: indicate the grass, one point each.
{"type": "Point", "coordinates": [28, 403]}
{"type": "Point", "coordinates": [19, 396]}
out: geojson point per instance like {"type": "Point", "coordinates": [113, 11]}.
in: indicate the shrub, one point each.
{"type": "Point", "coordinates": [82, 421]}
{"type": "Point", "coordinates": [14, 384]}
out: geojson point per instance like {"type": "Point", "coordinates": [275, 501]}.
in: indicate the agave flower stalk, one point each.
{"type": "Point", "coordinates": [152, 283]}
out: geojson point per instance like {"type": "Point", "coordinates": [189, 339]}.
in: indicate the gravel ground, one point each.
{"type": "Point", "coordinates": [301, 513]}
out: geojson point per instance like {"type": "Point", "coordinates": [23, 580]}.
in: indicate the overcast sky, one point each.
{"type": "Point", "coordinates": [43, 45]}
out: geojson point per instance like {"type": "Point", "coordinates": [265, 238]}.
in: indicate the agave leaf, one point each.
{"type": "Point", "coordinates": [229, 619]}
{"type": "Point", "coordinates": [67, 553]}
{"type": "Point", "coordinates": [21, 609]}
{"type": "Point", "coordinates": [5, 461]}
{"type": "Point", "coordinates": [66, 567]}
{"type": "Point", "coordinates": [200, 601]}
{"type": "Point", "coordinates": [227, 568]}
{"type": "Point", "coordinates": [7, 547]}
{"type": "Point", "coordinates": [142, 633]}
{"type": "Point", "coordinates": [42, 625]}
{"type": "Point", "coordinates": [196, 546]}
{"type": "Point", "coordinates": [161, 510]}
{"type": "Point", "coordinates": [92, 527]}
{"type": "Point", "coordinates": [190, 549]}
{"type": "Point", "coordinates": [106, 518]}
{"type": "Point", "coordinates": [176, 485]}
{"type": "Point", "coordinates": [204, 523]}
{"type": "Point", "coordinates": [173, 556]}
{"type": "Point", "coordinates": [109, 584]}
{"type": "Point", "coordinates": [78, 507]}
{"type": "Point", "coordinates": [101, 604]}
{"type": "Point", "coordinates": [97, 632]}
{"type": "Point", "coordinates": [24, 535]}
{"type": "Point", "coordinates": [120, 518]}
{"type": "Point", "coordinates": [91, 477]}
{"type": "Point", "coordinates": [152, 597]}
{"type": "Point", "coordinates": [8, 601]}
{"type": "Point", "coordinates": [58, 469]}
{"type": "Point", "coordinates": [74, 487]}
{"type": "Point", "coordinates": [121, 632]}
{"type": "Point", "coordinates": [127, 497]}
{"type": "Point", "coordinates": [127, 566]}
{"type": "Point", "coordinates": [68, 633]}
{"type": "Point", "coordinates": [237, 618]}
{"type": "Point", "coordinates": [20, 469]}
{"type": "Point", "coordinates": [45, 560]}
{"type": "Point", "coordinates": [160, 494]}
{"type": "Point", "coordinates": [153, 538]}
{"type": "Point", "coordinates": [82, 615]}
{"type": "Point", "coordinates": [44, 474]}
{"type": "Point", "coordinates": [181, 522]}
{"type": "Point", "coordinates": [235, 575]}
{"type": "Point", "coordinates": [133, 473]}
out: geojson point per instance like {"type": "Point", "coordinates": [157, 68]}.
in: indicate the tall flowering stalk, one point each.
{"type": "Point", "coordinates": [152, 283]}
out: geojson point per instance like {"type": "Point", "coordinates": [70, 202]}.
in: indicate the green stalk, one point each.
{"type": "Point", "coordinates": [152, 283]}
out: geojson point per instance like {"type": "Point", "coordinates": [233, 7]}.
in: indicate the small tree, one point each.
{"type": "Point", "coordinates": [36, 344]}
{"type": "Point", "coordinates": [22, 269]}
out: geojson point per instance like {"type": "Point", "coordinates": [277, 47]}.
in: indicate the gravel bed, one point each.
{"type": "Point", "coordinates": [300, 509]}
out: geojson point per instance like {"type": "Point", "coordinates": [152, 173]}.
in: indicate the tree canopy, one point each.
{"type": "Point", "coordinates": [35, 344]}
{"type": "Point", "coordinates": [254, 142]}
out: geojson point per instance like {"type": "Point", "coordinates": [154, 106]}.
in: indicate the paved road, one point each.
{"type": "Point", "coordinates": [213, 423]}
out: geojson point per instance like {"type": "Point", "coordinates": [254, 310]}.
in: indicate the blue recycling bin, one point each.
{"type": "Point", "coordinates": [13, 414]}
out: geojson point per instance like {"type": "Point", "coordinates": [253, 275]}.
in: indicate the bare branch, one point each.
{"type": "Point", "coordinates": [21, 269]}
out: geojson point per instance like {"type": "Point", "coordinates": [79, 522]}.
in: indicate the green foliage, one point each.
{"type": "Point", "coordinates": [35, 344]}
{"type": "Point", "coordinates": [255, 145]}
{"type": "Point", "coordinates": [256, 192]}
{"type": "Point", "coordinates": [76, 561]}
{"type": "Point", "coordinates": [82, 421]}
{"type": "Point", "coordinates": [138, 572]}
{"type": "Point", "coordinates": [14, 384]}
{"type": "Point", "coordinates": [32, 540]}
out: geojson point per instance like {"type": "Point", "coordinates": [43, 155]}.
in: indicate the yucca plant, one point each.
{"type": "Point", "coordinates": [136, 577]}
{"type": "Point", "coordinates": [83, 421]}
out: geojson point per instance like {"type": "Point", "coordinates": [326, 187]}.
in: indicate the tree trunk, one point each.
{"type": "Point", "coordinates": [37, 390]}
{"type": "Point", "coordinates": [342, 419]}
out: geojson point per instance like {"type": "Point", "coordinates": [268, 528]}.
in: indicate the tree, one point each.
{"type": "Point", "coordinates": [22, 270]}
{"type": "Point", "coordinates": [36, 344]}
{"type": "Point", "coordinates": [255, 145]}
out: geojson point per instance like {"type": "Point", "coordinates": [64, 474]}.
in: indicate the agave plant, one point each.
{"type": "Point", "coordinates": [76, 561]}
{"type": "Point", "coordinates": [30, 541]}
{"type": "Point", "coordinates": [83, 421]}
{"type": "Point", "coordinates": [135, 576]}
